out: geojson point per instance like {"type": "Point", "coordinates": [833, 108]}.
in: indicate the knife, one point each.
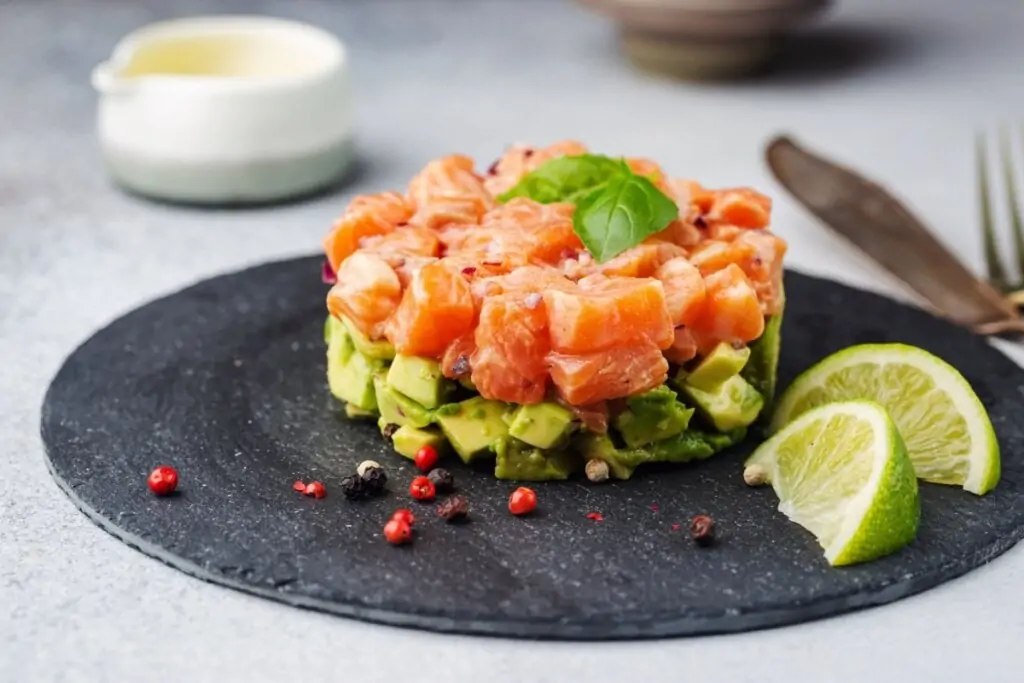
{"type": "Point", "coordinates": [883, 228]}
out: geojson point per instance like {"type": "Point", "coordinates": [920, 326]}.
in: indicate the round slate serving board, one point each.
{"type": "Point", "coordinates": [225, 381]}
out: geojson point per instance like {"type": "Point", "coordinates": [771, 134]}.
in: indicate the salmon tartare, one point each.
{"type": "Point", "coordinates": [560, 312]}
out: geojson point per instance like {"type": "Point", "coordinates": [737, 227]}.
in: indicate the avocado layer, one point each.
{"type": "Point", "coordinates": [652, 416]}
{"type": "Point", "coordinates": [408, 440]}
{"type": "Point", "coordinates": [544, 425]}
{"type": "Point", "coordinates": [723, 362]}
{"type": "Point", "coordinates": [420, 379]}
{"type": "Point", "coordinates": [397, 408]}
{"type": "Point", "coordinates": [519, 461]}
{"type": "Point", "coordinates": [734, 404]}
{"type": "Point", "coordinates": [472, 426]}
{"type": "Point", "coordinates": [379, 350]}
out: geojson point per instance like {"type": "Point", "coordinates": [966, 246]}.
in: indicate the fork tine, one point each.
{"type": "Point", "coordinates": [996, 275]}
{"type": "Point", "coordinates": [1016, 224]}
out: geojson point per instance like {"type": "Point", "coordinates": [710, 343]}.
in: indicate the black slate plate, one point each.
{"type": "Point", "coordinates": [225, 380]}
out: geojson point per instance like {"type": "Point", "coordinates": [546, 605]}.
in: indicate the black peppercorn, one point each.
{"type": "Point", "coordinates": [389, 431]}
{"type": "Point", "coordinates": [442, 479]}
{"type": "Point", "coordinates": [354, 487]}
{"type": "Point", "coordinates": [702, 530]}
{"type": "Point", "coordinates": [455, 509]}
{"type": "Point", "coordinates": [374, 480]}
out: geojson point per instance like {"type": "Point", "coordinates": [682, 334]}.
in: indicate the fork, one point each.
{"type": "Point", "coordinates": [996, 270]}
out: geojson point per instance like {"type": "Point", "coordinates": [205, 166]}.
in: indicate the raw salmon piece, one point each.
{"type": "Point", "coordinates": [682, 232]}
{"type": "Point", "coordinates": [683, 349]}
{"type": "Point", "coordinates": [515, 324]}
{"type": "Point", "coordinates": [496, 377]}
{"type": "Point", "coordinates": [764, 268]}
{"type": "Point", "coordinates": [731, 311]}
{"type": "Point", "coordinates": [367, 292]}
{"type": "Point", "coordinates": [404, 241]}
{"type": "Point", "coordinates": [407, 266]}
{"type": "Point", "coordinates": [518, 160]}
{"type": "Point", "coordinates": [615, 373]}
{"type": "Point", "coordinates": [448, 191]}
{"type": "Point", "coordinates": [436, 309]}
{"type": "Point", "coordinates": [643, 259]}
{"type": "Point", "coordinates": [601, 314]}
{"type": "Point", "coordinates": [456, 359]}
{"type": "Point", "coordinates": [742, 207]}
{"type": "Point", "coordinates": [650, 170]}
{"type": "Point", "coordinates": [546, 229]}
{"type": "Point", "coordinates": [684, 290]}
{"type": "Point", "coordinates": [691, 197]}
{"type": "Point", "coordinates": [712, 256]}
{"type": "Point", "coordinates": [365, 216]}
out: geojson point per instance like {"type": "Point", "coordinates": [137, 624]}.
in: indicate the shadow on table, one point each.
{"type": "Point", "coordinates": [834, 51]}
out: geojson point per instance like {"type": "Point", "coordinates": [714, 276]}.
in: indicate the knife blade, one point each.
{"type": "Point", "coordinates": [878, 224]}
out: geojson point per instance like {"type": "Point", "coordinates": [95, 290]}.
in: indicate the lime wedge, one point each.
{"type": "Point", "coordinates": [842, 472]}
{"type": "Point", "coordinates": [948, 433]}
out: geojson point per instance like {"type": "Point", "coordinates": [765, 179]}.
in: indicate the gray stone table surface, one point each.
{"type": "Point", "coordinates": [893, 87]}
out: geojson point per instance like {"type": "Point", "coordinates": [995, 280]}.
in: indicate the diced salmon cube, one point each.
{"type": "Point", "coordinates": [614, 373]}
{"type": "Point", "coordinates": [684, 290]}
{"type": "Point", "coordinates": [602, 314]}
{"type": "Point", "coordinates": [731, 311]}
{"type": "Point", "coordinates": [742, 207]}
{"type": "Point", "coordinates": [448, 191]}
{"type": "Point", "coordinates": [436, 309]}
{"type": "Point", "coordinates": [684, 347]}
{"type": "Point", "coordinates": [518, 160]}
{"type": "Point", "coordinates": [366, 216]}
{"type": "Point", "coordinates": [367, 292]}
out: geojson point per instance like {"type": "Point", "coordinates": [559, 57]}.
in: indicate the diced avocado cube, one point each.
{"type": "Point", "coordinates": [520, 461]}
{"type": "Point", "coordinates": [472, 426]}
{"type": "Point", "coordinates": [621, 462]}
{"type": "Point", "coordinates": [339, 344]}
{"type": "Point", "coordinates": [652, 416]}
{"type": "Point", "coordinates": [763, 367]}
{"type": "Point", "coordinates": [723, 362]}
{"type": "Point", "coordinates": [408, 440]}
{"type": "Point", "coordinates": [734, 404]}
{"type": "Point", "coordinates": [694, 444]}
{"type": "Point", "coordinates": [544, 425]}
{"type": "Point", "coordinates": [420, 379]}
{"type": "Point", "coordinates": [355, 413]}
{"type": "Point", "coordinates": [397, 408]}
{"type": "Point", "coordinates": [382, 350]}
{"type": "Point", "coordinates": [352, 381]}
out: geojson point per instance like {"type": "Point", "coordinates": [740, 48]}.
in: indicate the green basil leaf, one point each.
{"type": "Point", "coordinates": [620, 214]}
{"type": "Point", "coordinates": [566, 179]}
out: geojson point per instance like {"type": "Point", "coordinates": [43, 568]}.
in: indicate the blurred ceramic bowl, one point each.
{"type": "Point", "coordinates": [705, 39]}
{"type": "Point", "coordinates": [225, 110]}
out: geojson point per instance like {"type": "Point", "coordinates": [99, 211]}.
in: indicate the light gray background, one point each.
{"type": "Point", "coordinates": [433, 77]}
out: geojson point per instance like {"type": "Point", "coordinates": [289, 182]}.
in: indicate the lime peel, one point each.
{"type": "Point", "coordinates": [947, 431]}
{"type": "Point", "coordinates": [842, 472]}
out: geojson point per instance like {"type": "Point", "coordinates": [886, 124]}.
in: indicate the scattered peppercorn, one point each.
{"type": "Point", "coordinates": [405, 515]}
{"type": "Point", "coordinates": [425, 458]}
{"type": "Point", "coordinates": [676, 527]}
{"type": "Point", "coordinates": [374, 480]}
{"type": "Point", "coordinates": [523, 501]}
{"type": "Point", "coordinates": [365, 465]}
{"type": "Point", "coordinates": [299, 486]}
{"type": "Point", "coordinates": [443, 480]}
{"type": "Point", "coordinates": [595, 516]}
{"type": "Point", "coordinates": [454, 509]}
{"type": "Point", "coordinates": [654, 507]}
{"type": "Point", "coordinates": [702, 530]}
{"type": "Point", "coordinates": [163, 480]}
{"type": "Point", "coordinates": [397, 531]}
{"type": "Point", "coordinates": [389, 431]}
{"type": "Point", "coordinates": [422, 488]}
{"type": "Point", "coordinates": [315, 489]}
{"type": "Point", "coordinates": [354, 487]}
{"type": "Point", "coordinates": [597, 471]}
